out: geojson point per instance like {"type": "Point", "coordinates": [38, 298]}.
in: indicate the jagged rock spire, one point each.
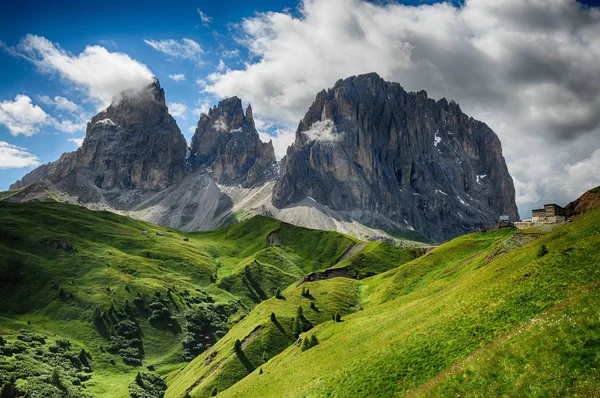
{"type": "Point", "coordinates": [227, 144]}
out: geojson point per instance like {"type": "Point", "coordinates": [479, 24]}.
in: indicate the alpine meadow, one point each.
{"type": "Point", "coordinates": [304, 198]}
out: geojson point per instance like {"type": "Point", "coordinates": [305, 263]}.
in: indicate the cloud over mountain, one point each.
{"type": "Point", "coordinates": [527, 68]}
{"type": "Point", "coordinates": [97, 71]}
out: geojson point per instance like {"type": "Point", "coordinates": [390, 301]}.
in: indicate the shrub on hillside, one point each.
{"type": "Point", "coordinates": [204, 326]}
{"type": "Point", "coordinates": [309, 342]}
{"type": "Point", "coordinates": [147, 385]}
{"type": "Point", "coordinates": [126, 341]}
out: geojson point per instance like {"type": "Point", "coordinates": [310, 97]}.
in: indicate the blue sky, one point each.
{"type": "Point", "coordinates": [528, 69]}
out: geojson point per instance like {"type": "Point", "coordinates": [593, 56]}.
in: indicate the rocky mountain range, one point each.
{"type": "Point", "coordinates": [369, 158]}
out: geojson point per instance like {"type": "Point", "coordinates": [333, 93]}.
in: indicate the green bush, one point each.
{"type": "Point", "coordinates": [204, 326]}
{"type": "Point", "coordinates": [56, 379]}
{"type": "Point", "coordinates": [147, 385]}
{"type": "Point", "coordinates": [542, 251]}
{"type": "Point", "coordinates": [309, 342]}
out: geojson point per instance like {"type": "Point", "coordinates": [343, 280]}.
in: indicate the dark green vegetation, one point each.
{"type": "Point", "coordinates": [265, 309]}
{"type": "Point", "coordinates": [134, 301]}
{"type": "Point", "coordinates": [488, 314]}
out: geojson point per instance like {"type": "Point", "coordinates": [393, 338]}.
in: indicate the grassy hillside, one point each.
{"type": "Point", "coordinates": [133, 299]}
{"type": "Point", "coordinates": [503, 313]}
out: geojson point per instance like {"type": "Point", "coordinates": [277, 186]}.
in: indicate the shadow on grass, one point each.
{"type": "Point", "coordinates": [278, 325]}
{"type": "Point", "coordinates": [244, 360]}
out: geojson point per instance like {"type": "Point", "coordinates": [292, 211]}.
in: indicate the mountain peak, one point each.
{"type": "Point", "coordinates": [368, 146]}
{"type": "Point", "coordinates": [227, 143]}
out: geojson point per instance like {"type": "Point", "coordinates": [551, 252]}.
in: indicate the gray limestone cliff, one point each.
{"type": "Point", "coordinates": [367, 145]}
{"type": "Point", "coordinates": [227, 145]}
{"type": "Point", "coordinates": [133, 144]}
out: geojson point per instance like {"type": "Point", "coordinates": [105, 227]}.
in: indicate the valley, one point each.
{"type": "Point", "coordinates": [463, 318]}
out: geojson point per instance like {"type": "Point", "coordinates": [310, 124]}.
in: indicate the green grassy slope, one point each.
{"type": "Point", "coordinates": [501, 311]}
{"type": "Point", "coordinates": [74, 274]}
{"type": "Point", "coordinates": [377, 257]}
{"type": "Point", "coordinates": [262, 338]}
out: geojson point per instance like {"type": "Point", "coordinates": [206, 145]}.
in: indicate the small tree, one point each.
{"type": "Point", "coordinates": [313, 340]}
{"type": "Point", "coordinates": [297, 326]}
{"type": "Point", "coordinates": [338, 317]}
{"type": "Point", "coordinates": [278, 293]}
{"type": "Point", "coordinates": [542, 251]}
{"type": "Point", "coordinates": [2, 342]}
{"type": "Point", "coordinates": [83, 358]}
{"type": "Point", "coordinates": [214, 392]}
{"type": "Point", "coordinates": [305, 344]}
{"type": "Point", "coordinates": [260, 371]}
{"type": "Point", "coordinates": [138, 380]}
{"type": "Point", "coordinates": [55, 377]}
{"type": "Point", "coordinates": [237, 346]}
{"type": "Point", "coordinates": [265, 358]}
{"type": "Point", "coordinates": [8, 391]}
{"type": "Point", "coordinates": [273, 318]}
{"type": "Point", "coordinates": [313, 306]}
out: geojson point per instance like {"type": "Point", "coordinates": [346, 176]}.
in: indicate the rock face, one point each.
{"type": "Point", "coordinates": [227, 144]}
{"type": "Point", "coordinates": [586, 202]}
{"type": "Point", "coordinates": [133, 144]}
{"type": "Point", "coordinates": [34, 176]}
{"type": "Point", "coordinates": [368, 146]}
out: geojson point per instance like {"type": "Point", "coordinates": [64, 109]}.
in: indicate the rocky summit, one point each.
{"type": "Point", "coordinates": [367, 145]}
{"type": "Point", "coordinates": [227, 145]}
{"type": "Point", "coordinates": [133, 144]}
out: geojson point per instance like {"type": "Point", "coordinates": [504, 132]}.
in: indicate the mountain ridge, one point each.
{"type": "Point", "coordinates": [373, 158]}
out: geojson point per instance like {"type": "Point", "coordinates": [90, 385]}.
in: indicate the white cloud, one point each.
{"type": "Point", "coordinates": [221, 67]}
{"type": "Point", "coordinates": [77, 141]}
{"type": "Point", "coordinates": [100, 73]}
{"type": "Point", "coordinates": [14, 157]}
{"type": "Point", "coordinates": [64, 104]}
{"type": "Point", "coordinates": [206, 20]}
{"type": "Point", "coordinates": [177, 109]}
{"type": "Point", "coordinates": [192, 129]}
{"type": "Point", "coordinates": [230, 53]}
{"type": "Point", "coordinates": [323, 131]}
{"type": "Point", "coordinates": [179, 77]}
{"type": "Point", "coordinates": [68, 126]}
{"type": "Point", "coordinates": [60, 103]}
{"type": "Point", "coordinates": [21, 116]}
{"type": "Point", "coordinates": [526, 68]}
{"type": "Point", "coordinates": [185, 48]}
